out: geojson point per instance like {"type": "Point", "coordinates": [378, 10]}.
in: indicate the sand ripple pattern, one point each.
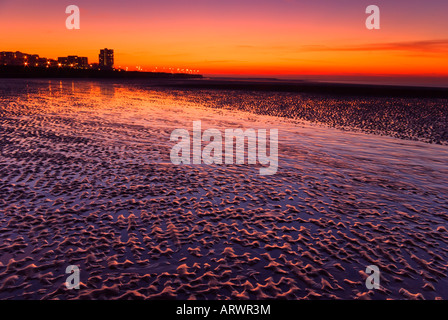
{"type": "Point", "coordinates": [85, 179]}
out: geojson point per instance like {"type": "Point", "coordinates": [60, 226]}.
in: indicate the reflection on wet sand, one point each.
{"type": "Point", "coordinates": [86, 179]}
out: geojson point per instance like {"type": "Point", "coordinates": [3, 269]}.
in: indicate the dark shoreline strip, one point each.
{"type": "Point", "coordinates": [315, 88]}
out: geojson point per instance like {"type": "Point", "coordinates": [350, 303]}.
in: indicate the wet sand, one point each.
{"type": "Point", "coordinates": [412, 113]}
{"type": "Point", "coordinates": [86, 180]}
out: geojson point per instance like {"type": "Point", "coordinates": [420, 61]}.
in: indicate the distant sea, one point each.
{"type": "Point", "coordinates": [400, 80]}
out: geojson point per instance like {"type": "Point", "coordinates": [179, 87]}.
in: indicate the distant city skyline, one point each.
{"type": "Point", "coordinates": [263, 37]}
{"type": "Point", "coordinates": [18, 58]}
{"type": "Point", "coordinates": [106, 58]}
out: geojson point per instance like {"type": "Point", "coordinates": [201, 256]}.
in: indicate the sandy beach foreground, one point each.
{"type": "Point", "coordinates": [86, 180]}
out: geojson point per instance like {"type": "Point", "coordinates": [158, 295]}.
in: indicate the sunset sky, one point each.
{"type": "Point", "coordinates": [289, 37]}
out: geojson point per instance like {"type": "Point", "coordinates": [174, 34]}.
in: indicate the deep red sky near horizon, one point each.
{"type": "Point", "coordinates": [251, 37]}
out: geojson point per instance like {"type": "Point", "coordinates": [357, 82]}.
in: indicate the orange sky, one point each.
{"type": "Point", "coordinates": [238, 37]}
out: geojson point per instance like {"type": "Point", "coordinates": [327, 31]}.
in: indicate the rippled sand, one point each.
{"type": "Point", "coordinates": [85, 179]}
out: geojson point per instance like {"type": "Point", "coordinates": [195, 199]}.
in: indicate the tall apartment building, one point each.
{"type": "Point", "coordinates": [106, 58]}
